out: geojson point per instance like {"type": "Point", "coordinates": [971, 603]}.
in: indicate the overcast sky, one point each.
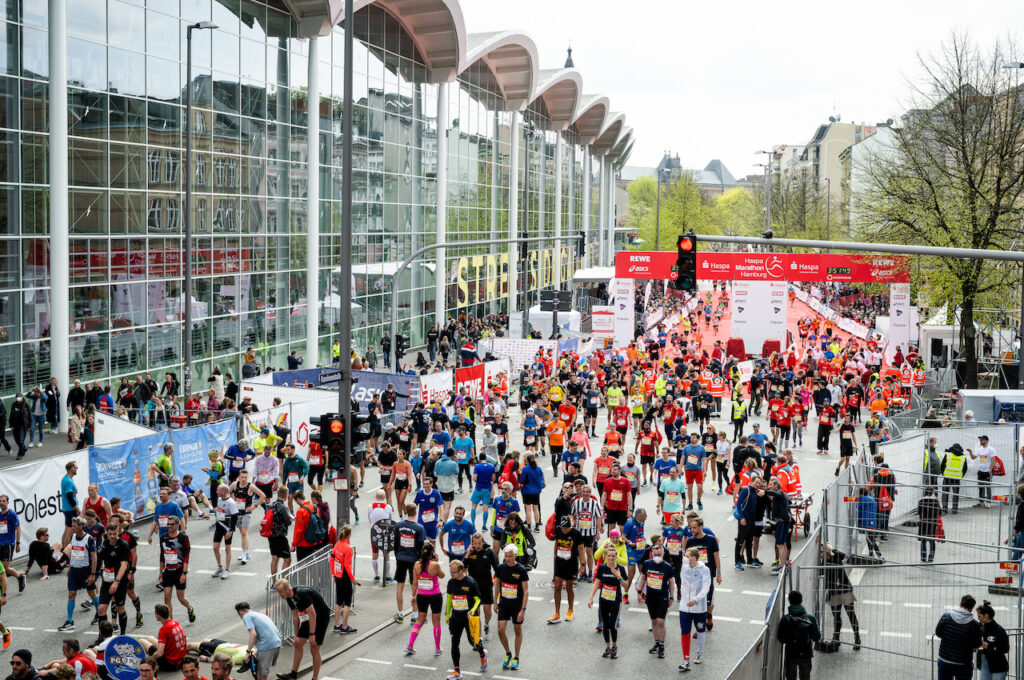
{"type": "Point", "coordinates": [724, 79]}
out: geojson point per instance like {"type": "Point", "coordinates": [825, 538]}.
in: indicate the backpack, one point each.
{"type": "Point", "coordinates": [267, 523]}
{"type": "Point", "coordinates": [315, 532]}
{"type": "Point", "coordinates": [884, 499]}
{"type": "Point", "coordinates": [998, 469]}
{"type": "Point", "coordinates": [801, 644]}
{"type": "Point", "coordinates": [549, 528]}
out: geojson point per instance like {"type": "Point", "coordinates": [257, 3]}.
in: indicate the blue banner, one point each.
{"type": "Point", "coordinates": [122, 470]}
{"type": "Point", "coordinates": [365, 383]}
{"type": "Point", "coordinates": [570, 345]}
{"type": "Point", "coordinates": [191, 454]}
{"type": "Point", "coordinates": [114, 468]}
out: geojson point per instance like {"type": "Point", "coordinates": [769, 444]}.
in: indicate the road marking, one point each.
{"type": "Point", "coordinates": [756, 592]}
{"type": "Point", "coordinates": [17, 628]}
{"type": "Point", "coordinates": [473, 673]}
{"type": "Point", "coordinates": [233, 573]}
{"type": "Point", "coordinates": [383, 663]}
{"type": "Point", "coordinates": [886, 633]}
{"type": "Point", "coordinates": [53, 630]}
{"type": "Point", "coordinates": [534, 598]}
{"type": "Point", "coordinates": [328, 677]}
{"type": "Point", "coordinates": [723, 590]}
{"type": "Point", "coordinates": [420, 668]}
{"type": "Point", "coordinates": [143, 567]}
{"type": "Point", "coordinates": [637, 609]}
{"type": "Point", "coordinates": [730, 619]}
{"type": "Point", "coordinates": [535, 571]}
{"type": "Point", "coordinates": [917, 605]}
{"type": "Point", "coordinates": [505, 677]}
{"type": "Point", "coordinates": [363, 557]}
{"type": "Point", "coordinates": [756, 622]}
{"type": "Point", "coordinates": [884, 603]}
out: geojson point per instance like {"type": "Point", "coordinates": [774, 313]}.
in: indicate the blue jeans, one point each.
{"type": "Point", "coordinates": [1018, 542]}
{"type": "Point", "coordinates": [955, 671]}
{"type": "Point", "coordinates": [986, 674]}
{"type": "Point", "coordinates": [38, 423]}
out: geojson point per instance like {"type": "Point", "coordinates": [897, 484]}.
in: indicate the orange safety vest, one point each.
{"type": "Point", "coordinates": [718, 388]}
{"type": "Point", "coordinates": [919, 377]}
{"type": "Point", "coordinates": [906, 377]}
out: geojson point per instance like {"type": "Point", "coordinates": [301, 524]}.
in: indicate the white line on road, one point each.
{"type": "Point", "coordinates": [638, 609]}
{"type": "Point", "coordinates": [420, 668]}
{"type": "Point", "coordinates": [534, 598]}
{"type": "Point", "coordinates": [17, 628]}
{"type": "Point", "coordinates": [535, 571]}
{"type": "Point", "coordinates": [756, 592]}
{"type": "Point", "coordinates": [723, 590]}
{"type": "Point", "coordinates": [917, 605]}
{"type": "Point", "coordinates": [145, 567]}
{"type": "Point", "coordinates": [886, 633]}
{"type": "Point", "coordinates": [756, 622]}
{"type": "Point", "coordinates": [884, 603]}
{"type": "Point", "coordinates": [473, 673]}
{"type": "Point", "coordinates": [730, 619]}
{"type": "Point", "coordinates": [383, 663]}
{"type": "Point", "coordinates": [505, 677]}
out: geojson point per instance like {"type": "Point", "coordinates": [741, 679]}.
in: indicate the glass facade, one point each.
{"type": "Point", "coordinates": [126, 118]}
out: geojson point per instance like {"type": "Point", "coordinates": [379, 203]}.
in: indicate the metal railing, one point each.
{"type": "Point", "coordinates": [313, 571]}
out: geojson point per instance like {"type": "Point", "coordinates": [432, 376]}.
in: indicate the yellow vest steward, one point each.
{"type": "Point", "coordinates": [954, 466]}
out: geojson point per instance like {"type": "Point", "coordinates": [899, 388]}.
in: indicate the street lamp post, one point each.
{"type": "Point", "coordinates": [1020, 328]}
{"type": "Point", "coordinates": [657, 216]}
{"type": "Point", "coordinates": [767, 229]}
{"type": "Point", "coordinates": [186, 333]}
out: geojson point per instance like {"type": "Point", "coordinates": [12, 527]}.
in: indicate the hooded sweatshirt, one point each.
{"type": "Point", "coordinates": [960, 633]}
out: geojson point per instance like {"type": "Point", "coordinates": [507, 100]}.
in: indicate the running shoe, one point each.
{"type": "Point", "coordinates": [568, 616]}
{"type": "Point", "coordinates": [507, 662]}
{"type": "Point", "coordinates": [409, 651]}
{"type": "Point", "coordinates": [455, 675]}
{"type": "Point", "coordinates": [87, 605]}
{"type": "Point", "coordinates": [191, 615]}
{"type": "Point", "coordinates": [437, 652]}
{"type": "Point", "coordinates": [514, 666]}
{"type": "Point", "coordinates": [139, 622]}
{"type": "Point", "coordinates": [607, 653]}
{"type": "Point", "coordinates": [625, 598]}
{"type": "Point", "coordinates": [661, 651]}
{"type": "Point", "coordinates": [615, 652]}
{"type": "Point", "coordinates": [66, 627]}
{"type": "Point", "coordinates": [555, 618]}
{"type": "Point", "coordinates": [710, 625]}
{"type": "Point", "coordinates": [700, 506]}
{"type": "Point", "coordinates": [739, 566]}
{"type": "Point", "coordinates": [483, 659]}
{"type": "Point", "coordinates": [225, 575]}
{"type": "Point", "coordinates": [22, 582]}
{"type": "Point", "coordinates": [654, 649]}
{"type": "Point", "coordinates": [684, 667]}
{"type": "Point", "coordinates": [756, 563]}
{"type": "Point", "coordinates": [7, 638]}
{"type": "Point", "coordinates": [697, 658]}
{"type": "Point", "coordinates": [689, 507]}
{"type": "Point", "coordinates": [376, 579]}
{"type": "Point", "coordinates": [399, 616]}
{"type": "Point", "coordinates": [217, 572]}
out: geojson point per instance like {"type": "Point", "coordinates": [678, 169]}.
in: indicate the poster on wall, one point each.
{"type": "Point", "coordinates": [759, 310]}
{"type": "Point", "coordinates": [899, 318]}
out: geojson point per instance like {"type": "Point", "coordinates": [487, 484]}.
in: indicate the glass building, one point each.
{"type": "Point", "coordinates": [457, 136]}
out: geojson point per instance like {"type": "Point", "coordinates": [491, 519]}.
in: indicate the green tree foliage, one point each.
{"type": "Point", "coordinates": [956, 177]}
{"type": "Point", "coordinates": [800, 207]}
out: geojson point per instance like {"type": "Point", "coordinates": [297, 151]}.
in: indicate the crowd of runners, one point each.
{"type": "Point", "coordinates": [627, 435]}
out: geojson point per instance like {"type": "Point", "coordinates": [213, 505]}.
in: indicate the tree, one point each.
{"type": "Point", "coordinates": [799, 207]}
{"type": "Point", "coordinates": [956, 177]}
{"type": "Point", "coordinates": [681, 210]}
{"type": "Point", "coordinates": [737, 212]}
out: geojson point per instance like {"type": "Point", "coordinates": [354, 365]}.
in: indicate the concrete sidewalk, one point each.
{"type": "Point", "coordinates": [53, 445]}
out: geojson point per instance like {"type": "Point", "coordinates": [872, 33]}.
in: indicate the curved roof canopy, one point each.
{"type": "Point", "coordinates": [510, 60]}
{"type": "Point", "coordinates": [590, 116]}
{"type": "Point", "coordinates": [435, 26]}
{"type": "Point", "coordinates": [560, 90]}
{"type": "Point", "coordinates": [315, 17]}
{"type": "Point", "coordinates": [625, 137]}
{"type": "Point", "coordinates": [609, 135]}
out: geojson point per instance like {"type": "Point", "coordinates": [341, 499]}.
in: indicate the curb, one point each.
{"type": "Point", "coordinates": [307, 668]}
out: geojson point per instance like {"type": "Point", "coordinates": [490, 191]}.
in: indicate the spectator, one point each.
{"type": "Point", "coordinates": [52, 393]}
{"type": "Point", "coordinates": [995, 645]}
{"type": "Point", "coordinates": [37, 409]}
{"type": "Point", "coordinates": [798, 631]}
{"type": "Point", "coordinates": [928, 511]}
{"type": "Point", "coordinates": [959, 636]}
{"type": "Point", "coordinates": [21, 421]}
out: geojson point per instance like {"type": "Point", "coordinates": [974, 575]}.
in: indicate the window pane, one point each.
{"type": "Point", "coordinates": [35, 314]}
{"type": "Point", "coordinates": [127, 72]}
{"type": "Point", "coordinates": [36, 370]}
{"type": "Point", "coordinates": [87, 19]}
{"type": "Point", "coordinates": [127, 350]}
{"type": "Point", "coordinates": [89, 356]}
{"type": "Point", "coordinates": [87, 64]}
{"type": "Point", "coordinates": [10, 368]}
{"type": "Point", "coordinates": [125, 26]}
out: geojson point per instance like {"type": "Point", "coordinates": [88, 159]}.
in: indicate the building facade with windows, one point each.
{"type": "Point", "coordinates": [457, 136]}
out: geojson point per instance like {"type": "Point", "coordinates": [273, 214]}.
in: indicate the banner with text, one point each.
{"type": "Point", "coordinates": [622, 291]}
{"type": "Point", "coordinates": [759, 310]}
{"type": "Point", "coordinates": [437, 387]}
{"type": "Point", "coordinates": [472, 378]}
{"type": "Point", "coordinates": [769, 267]}
{"type": "Point", "coordinates": [521, 352]}
{"type": "Point", "coordinates": [602, 323]}
{"type": "Point", "coordinates": [900, 333]}
{"type": "Point", "coordinates": [34, 493]}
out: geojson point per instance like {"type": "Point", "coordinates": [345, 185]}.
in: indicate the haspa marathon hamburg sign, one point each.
{"type": "Point", "coordinates": [769, 267]}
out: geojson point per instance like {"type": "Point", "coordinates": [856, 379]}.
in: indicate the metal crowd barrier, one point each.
{"type": "Point", "coordinates": [313, 571]}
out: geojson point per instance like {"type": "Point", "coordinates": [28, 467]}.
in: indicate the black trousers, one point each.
{"type": "Point", "coordinates": [824, 432]}
{"type": "Point", "coordinates": [950, 486]}
{"type": "Point", "coordinates": [745, 542]}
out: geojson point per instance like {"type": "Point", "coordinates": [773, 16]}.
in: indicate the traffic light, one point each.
{"type": "Point", "coordinates": [686, 263]}
{"type": "Point", "coordinates": [357, 422]}
{"type": "Point", "coordinates": [581, 245]}
{"type": "Point", "coordinates": [331, 438]}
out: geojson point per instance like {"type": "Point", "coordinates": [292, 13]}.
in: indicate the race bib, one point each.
{"type": "Point", "coordinates": [615, 496]}
{"type": "Point", "coordinates": [631, 476]}
{"type": "Point", "coordinates": [460, 603]}
{"type": "Point", "coordinates": [424, 582]}
{"type": "Point", "coordinates": [303, 617]}
{"type": "Point", "coordinates": [403, 437]}
{"type": "Point", "coordinates": [265, 478]}
{"type": "Point", "coordinates": [3, 527]}
{"type": "Point", "coordinates": [645, 441]}
{"type": "Point", "coordinates": [401, 476]}
{"type": "Point", "coordinates": [237, 463]}
{"type": "Point", "coordinates": [603, 470]}
{"type": "Point", "coordinates": [563, 552]}
{"type": "Point", "coordinates": [847, 435]}
{"type": "Point", "coordinates": [674, 545]}
{"type": "Point", "coordinates": [594, 402]}
{"type": "Point", "coordinates": [608, 592]}
{"type": "Point", "coordinates": [162, 521]}
{"type": "Point", "coordinates": [316, 459]}
{"type": "Point", "coordinates": [509, 591]}
{"type": "Point", "coordinates": [170, 557]}
{"type": "Point", "coordinates": [293, 477]}
{"type": "Point", "coordinates": [458, 548]}
{"type": "Point", "coordinates": [655, 581]}
{"type": "Point", "coordinates": [500, 522]}
{"type": "Point", "coordinates": [221, 514]}
{"type": "Point", "coordinates": [406, 541]}
{"type": "Point", "coordinates": [56, 555]}
{"type": "Point", "coordinates": [641, 542]}
{"type": "Point", "coordinates": [429, 516]}
{"type": "Point", "coordinates": [692, 459]}
{"type": "Point", "coordinates": [586, 523]}
{"type": "Point", "coordinates": [530, 439]}
{"type": "Point", "coordinates": [722, 457]}
{"type": "Point", "coordinates": [703, 554]}
{"type": "Point", "coordinates": [671, 496]}
{"type": "Point", "coordinates": [108, 575]}
{"type": "Point", "coordinates": [621, 422]}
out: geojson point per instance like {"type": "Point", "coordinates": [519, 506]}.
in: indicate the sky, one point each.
{"type": "Point", "coordinates": [723, 80]}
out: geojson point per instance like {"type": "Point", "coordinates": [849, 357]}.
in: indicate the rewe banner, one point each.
{"type": "Point", "coordinates": [472, 378]}
{"type": "Point", "coordinates": [769, 267]}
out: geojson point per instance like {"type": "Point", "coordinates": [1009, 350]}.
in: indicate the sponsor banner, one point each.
{"type": "Point", "coordinates": [899, 319]}
{"type": "Point", "coordinates": [147, 450]}
{"type": "Point", "coordinates": [602, 321]}
{"type": "Point", "coordinates": [34, 493]}
{"type": "Point", "coordinates": [299, 377]}
{"type": "Point", "coordinates": [522, 352]}
{"type": "Point", "coordinates": [365, 384]}
{"type": "Point", "coordinates": [472, 378]}
{"type": "Point", "coordinates": [759, 310]}
{"type": "Point", "coordinates": [746, 370]}
{"type": "Point", "coordinates": [300, 416]}
{"type": "Point", "coordinates": [654, 318]}
{"type": "Point", "coordinates": [622, 291]}
{"type": "Point", "coordinates": [123, 470]}
{"type": "Point", "coordinates": [192, 446]}
{"type": "Point", "coordinates": [437, 387]}
{"type": "Point", "coordinates": [493, 368]}
{"type": "Point", "coordinates": [770, 267]}
{"type": "Point", "coordinates": [570, 345]}
{"type": "Point", "coordinates": [122, 658]}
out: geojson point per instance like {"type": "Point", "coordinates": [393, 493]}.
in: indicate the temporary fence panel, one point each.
{"type": "Point", "coordinates": [34, 490]}
{"type": "Point", "coordinates": [806, 580]}
{"type": "Point", "coordinates": [315, 572]}
{"type": "Point", "coordinates": [839, 502]}
{"type": "Point", "coordinates": [264, 395]}
{"type": "Point", "coordinates": [773, 650]}
{"type": "Point", "coordinates": [110, 429]}
{"type": "Point", "coordinates": [751, 664]}
{"type": "Point", "coordinates": [896, 608]}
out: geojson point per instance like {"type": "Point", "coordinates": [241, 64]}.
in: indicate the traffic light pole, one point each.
{"type": "Point", "coordinates": [462, 244]}
{"type": "Point", "coordinates": [344, 491]}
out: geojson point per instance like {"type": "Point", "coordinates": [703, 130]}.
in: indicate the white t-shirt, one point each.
{"type": "Point", "coordinates": [984, 454]}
